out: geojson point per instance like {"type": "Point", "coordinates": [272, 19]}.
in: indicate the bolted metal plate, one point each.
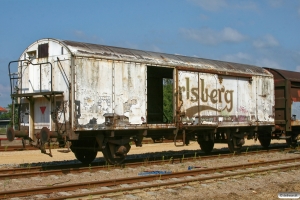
{"type": "Point", "coordinates": [10, 134]}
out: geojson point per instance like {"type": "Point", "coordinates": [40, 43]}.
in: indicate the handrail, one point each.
{"type": "Point", "coordinates": [40, 64]}
{"type": "Point", "coordinates": [64, 73]}
{"type": "Point", "coordinates": [13, 74]}
{"type": "Point", "coordinates": [17, 76]}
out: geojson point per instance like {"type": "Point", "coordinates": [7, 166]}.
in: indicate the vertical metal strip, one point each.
{"type": "Point", "coordinates": [177, 92]}
{"type": "Point", "coordinates": [237, 100]}
{"type": "Point", "coordinates": [198, 98]}
{"type": "Point", "coordinates": [21, 81]}
{"type": "Point", "coordinates": [288, 105]}
{"type": "Point", "coordinates": [53, 110]}
{"type": "Point", "coordinates": [40, 77]}
{"type": "Point", "coordinates": [51, 78]}
{"type": "Point", "coordinates": [113, 87]}
{"type": "Point", "coordinates": [73, 90]}
{"type": "Point", "coordinates": [256, 94]}
{"type": "Point", "coordinates": [146, 92]}
{"type": "Point", "coordinates": [31, 118]}
{"type": "Point", "coordinates": [216, 112]}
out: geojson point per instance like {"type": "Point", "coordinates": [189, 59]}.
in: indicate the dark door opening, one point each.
{"type": "Point", "coordinates": [159, 95]}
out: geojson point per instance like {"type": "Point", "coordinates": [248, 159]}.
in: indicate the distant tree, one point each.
{"type": "Point", "coordinates": [8, 115]}
{"type": "Point", "coordinates": [5, 116]}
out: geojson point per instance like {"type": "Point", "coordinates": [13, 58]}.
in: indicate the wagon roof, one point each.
{"type": "Point", "coordinates": [163, 59]}
{"type": "Point", "coordinates": [285, 74]}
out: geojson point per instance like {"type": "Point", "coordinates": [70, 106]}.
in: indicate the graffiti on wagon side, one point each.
{"type": "Point", "coordinates": [205, 94]}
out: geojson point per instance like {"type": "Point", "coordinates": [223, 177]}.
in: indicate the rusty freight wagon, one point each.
{"type": "Point", "coordinates": [101, 97]}
{"type": "Point", "coordinates": [287, 106]}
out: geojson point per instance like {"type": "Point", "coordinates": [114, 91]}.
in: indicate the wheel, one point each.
{"type": "Point", "coordinates": [85, 156]}
{"type": "Point", "coordinates": [265, 140]}
{"type": "Point", "coordinates": [230, 145]}
{"type": "Point", "coordinates": [232, 148]}
{"type": "Point", "coordinates": [206, 146]}
{"type": "Point", "coordinates": [230, 141]}
{"type": "Point", "coordinates": [292, 141]}
{"type": "Point", "coordinates": [115, 154]}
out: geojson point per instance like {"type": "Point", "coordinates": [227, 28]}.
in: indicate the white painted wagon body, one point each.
{"type": "Point", "coordinates": [79, 90]}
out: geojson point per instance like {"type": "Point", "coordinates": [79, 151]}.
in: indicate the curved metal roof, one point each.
{"type": "Point", "coordinates": [81, 49]}
{"type": "Point", "coordinates": [285, 74]}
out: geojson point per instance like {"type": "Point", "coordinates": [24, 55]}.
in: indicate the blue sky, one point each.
{"type": "Point", "coordinates": [258, 32]}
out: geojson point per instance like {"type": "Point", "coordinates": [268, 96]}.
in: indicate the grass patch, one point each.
{"type": "Point", "coordinates": [2, 131]}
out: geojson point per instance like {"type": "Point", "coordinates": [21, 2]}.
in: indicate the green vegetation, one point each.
{"type": "Point", "coordinates": [168, 99]}
{"type": "Point", "coordinates": [8, 114]}
{"type": "Point", "coordinates": [2, 131]}
{"type": "Point", "coordinates": [5, 116]}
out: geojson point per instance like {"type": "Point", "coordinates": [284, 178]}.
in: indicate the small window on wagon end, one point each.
{"type": "Point", "coordinates": [30, 55]}
{"type": "Point", "coordinates": [43, 50]}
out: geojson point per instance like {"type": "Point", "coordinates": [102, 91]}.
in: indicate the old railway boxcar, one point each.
{"type": "Point", "coordinates": [287, 106]}
{"type": "Point", "coordinates": [101, 97]}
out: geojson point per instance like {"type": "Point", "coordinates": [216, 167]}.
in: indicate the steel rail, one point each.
{"type": "Point", "coordinates": [157, 185]}
{"type": "Point", "coordinates": [42, 171]}
{"type": "Point", "coordinates": [116, 182]}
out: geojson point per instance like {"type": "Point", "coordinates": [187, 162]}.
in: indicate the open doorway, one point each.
{"type": "Point", "coordinates": [159, 95]}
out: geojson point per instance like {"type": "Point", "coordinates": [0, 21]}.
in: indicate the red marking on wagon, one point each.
{"type": "Point", "coordinates": [43, 108]}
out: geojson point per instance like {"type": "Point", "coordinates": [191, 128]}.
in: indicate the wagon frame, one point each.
{"type": "Point", "coordinates": [101, 98]}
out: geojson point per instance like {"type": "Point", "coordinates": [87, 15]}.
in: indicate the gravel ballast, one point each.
{"type": "Point", "coordinates": [261, 186]}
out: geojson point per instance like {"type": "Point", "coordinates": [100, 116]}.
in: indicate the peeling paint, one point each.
{"type": "Point", "coordinates": [113, 89]}
{"type": "Point", "coordinates": [235, 99]}
{"type": "Point", "coordinates": [111, 80]}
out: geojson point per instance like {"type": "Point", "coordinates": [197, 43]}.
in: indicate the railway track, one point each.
{"type": "Point", "coordinates": [149, 157]}
{"type": "Point", "coordinates": [166, 179]}
{"type": "Point", "coordinates": [29, 171]}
